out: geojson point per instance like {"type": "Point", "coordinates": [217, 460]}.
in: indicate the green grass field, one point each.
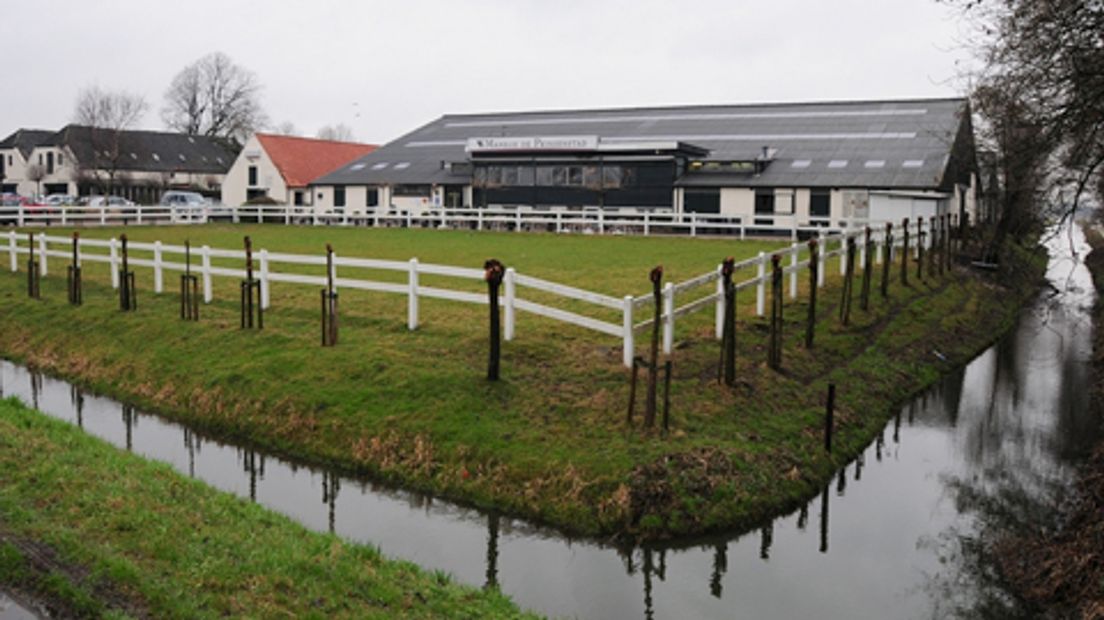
{"type": "Point", "coordinates": [96, 532]}
{"type": "Point", "coordinates": [549, 442]}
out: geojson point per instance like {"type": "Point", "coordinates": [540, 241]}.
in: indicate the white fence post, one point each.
{"type": "Point", "coordinates": [114, 247]}
{"type": "Point", "coordinates": [822, 249]}
{"type": "Point", "coordinates": [601, 221]}
{"type": "Point", "coordinates": [795, 249]}
{"type": "Point", "coordinates": [627, 345]}
{"type": "Point", "coordinates": [719, 307]}
{"type": "Point", "coordinates": [205, 252]}
{"type": "Point", "coordinates": [879, 244]}
{"type": "Point", "coordinates": [264, 279]}
{"type": "Point", "coordinates": [43, 268]}
{"type": "Point", "coordinates": [64, 218]}
{"type": "Point", "coordinates": [843, 252]}
{"type": "Point", "coordinates": [12, 250]}
{"type": "Point", "coordinates": [668, 318]}
{"type": "Point", "coordinates": [103, 216]}
{"type": "Point", "coordinates": [19, 215]}
{"type": "Point", "coordinates": [479, 220]}
{"type": "Point", "coordinates": [412, 297]}
{"type": "Point", "coordinates": [647, 223]}
{"type": "Point", "coordinates": [862, 253]}
{"type": "Point", "coordinates": [761, 286]}
{"type": "Point", "coordinates": [158, 277]}
{"type": "Point", "coordinates": [234, 214]}
{"type": "Point", "coordinates": [138, 210]}
{"type": "Point", "coordinates": [693, 225]}
{"type": "Point", "coordinates": [559, 222]}
{"type": "Point", "coordinates": [511, 292]}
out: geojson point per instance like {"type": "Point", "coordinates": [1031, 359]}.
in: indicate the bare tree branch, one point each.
{"type": "Point", "coordinates": [214, 97]}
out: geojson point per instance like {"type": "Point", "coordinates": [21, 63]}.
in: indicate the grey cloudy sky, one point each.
{"type": "Point", "coordinates": [384, 68]}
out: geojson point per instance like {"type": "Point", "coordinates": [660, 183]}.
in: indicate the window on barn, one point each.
{"type": "Point", "coordinates": [764, 205]}
{"type": "Point", "coordinates": [701, 200]}
{"type": "Point", "coordinates": [339, 196]}
{"type": "Point", "coordinates": [252, 176]}
{"type": "Point", "coordinates": [820, 205]}
{"type": "Point", "coordinates": [371, 197]}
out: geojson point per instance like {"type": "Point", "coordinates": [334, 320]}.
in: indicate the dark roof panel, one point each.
{"type": "Point", "coordinates": [146, 151]}
{"type": "Point", "coordinates": [25, 140]}
{"type": "Point", "coordinates": [893, 132]}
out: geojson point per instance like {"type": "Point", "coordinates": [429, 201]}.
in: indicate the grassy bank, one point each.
{"type": "Point", "coordinates": [96, 531]}
{"type": "Point", "coordinates": [549, 442]}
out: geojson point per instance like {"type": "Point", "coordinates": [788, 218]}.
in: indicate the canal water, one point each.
{"type": "Point", "coordinates": [891, 536]}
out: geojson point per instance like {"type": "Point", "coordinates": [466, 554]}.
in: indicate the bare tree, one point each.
{"type": "Point", "coordinates": [1040, 88]}
{"type": "Point", "coordinates": [339, 132]}
{"type": "Point", "coordinates": [214, 97]}
{"type": "Point", "coordinates": [105, 116]}
{"type": "Point", "coordinates": [287, 128]}
{"type": "Point", "coordinates": [36, 173]}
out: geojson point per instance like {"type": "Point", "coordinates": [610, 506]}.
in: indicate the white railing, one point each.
{"type": "Point", "coordinates": [560, 220]}
{"type": "Point", "coordinates": [108, 251]}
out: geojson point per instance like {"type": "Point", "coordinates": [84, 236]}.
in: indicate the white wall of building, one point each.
{"type": "Point", "coordinates": [235, 188]}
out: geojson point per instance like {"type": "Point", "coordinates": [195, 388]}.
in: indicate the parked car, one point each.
{"type": "Point", "coordinates": [60, 200]}
{"type": "Point", "coordinates": [176, 198]}
{"type": "Point", "coordinates": [109, 201]}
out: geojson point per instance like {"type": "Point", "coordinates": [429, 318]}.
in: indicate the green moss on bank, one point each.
{"type": "Point", "coordinates": [97, 531]}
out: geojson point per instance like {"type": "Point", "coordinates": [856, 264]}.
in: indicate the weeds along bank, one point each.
{"type": "Point", "coordinates": [92, 531]}
{"type": "Point", "coordinates": [549, 441]}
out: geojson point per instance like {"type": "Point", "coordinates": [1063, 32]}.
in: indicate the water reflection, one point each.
{"type": "Point", "coordinates": [1015, 418]}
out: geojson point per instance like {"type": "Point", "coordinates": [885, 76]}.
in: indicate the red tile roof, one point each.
{"type": "Point", "coordinates": [302, 160]}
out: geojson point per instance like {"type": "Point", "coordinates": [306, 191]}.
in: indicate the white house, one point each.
{"type": "Point", "coordinates": [281, 167]}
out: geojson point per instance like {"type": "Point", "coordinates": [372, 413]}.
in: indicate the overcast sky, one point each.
{"type": "Point", "coordinates": [384, 68]}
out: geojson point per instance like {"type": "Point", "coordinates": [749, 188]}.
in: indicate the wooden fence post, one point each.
{"type": "Point", "coordinates": [920, 249]}
{"type": "Point", "coordinates": [727, 369]}
{"type": "Point", "coordinates": [887, 258]}
{"type": "Point", "coordinates": [848, 281]}
{"type": "Point", "coordinates": [904, 251]}
{"type": "Point", "coordinates": [492, 274]}
{"type": "Point", "coordinates": [814, 269]}
{"type": "Point", "coordinates": [774, 359]}
{"type": "Point", "coordinates": [656, 277]}
{"type": "Point", "coordinates": [864, 296]}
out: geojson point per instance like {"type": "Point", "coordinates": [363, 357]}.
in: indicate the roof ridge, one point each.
{"type": "Point", "coordinates": [707, 106]}
{"type": "Point", "coordinates": [305, 138]}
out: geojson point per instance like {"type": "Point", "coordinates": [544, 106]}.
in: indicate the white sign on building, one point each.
{"type": "Point", "coordinates": [533, 143]}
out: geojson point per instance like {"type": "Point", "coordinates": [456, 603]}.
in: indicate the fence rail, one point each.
{"type": "Point", "coordinates": [107, 251]}
{"type": "Point", "coordinates": [626, 220]}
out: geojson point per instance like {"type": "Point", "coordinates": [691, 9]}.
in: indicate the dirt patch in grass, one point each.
{"type": "Point", "coordinates": [37, 573]}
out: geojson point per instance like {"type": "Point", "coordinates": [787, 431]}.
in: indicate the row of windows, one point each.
{"type": "Point", "coordinates": [767, 202]}
{"type": "Point", "coordinates": [594, 177]}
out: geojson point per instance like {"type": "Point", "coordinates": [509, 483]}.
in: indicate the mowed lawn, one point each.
{"type": "Point", "coordinates": [550, 440]}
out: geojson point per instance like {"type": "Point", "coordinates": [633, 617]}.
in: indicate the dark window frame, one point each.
{"type": "Point", "coordinates": [339, 196]}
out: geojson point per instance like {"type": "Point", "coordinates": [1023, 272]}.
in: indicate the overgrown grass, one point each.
{"type": "Point", "coordinates": [549, 442]}
{"type": "Point", "coordinates": [128, 536]}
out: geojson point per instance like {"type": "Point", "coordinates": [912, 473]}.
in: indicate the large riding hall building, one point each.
{"type": "Point", "coordinates": [768, 164]}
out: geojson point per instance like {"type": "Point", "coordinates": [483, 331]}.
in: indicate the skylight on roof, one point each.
{"type": "Point", "coordinates": [359, 166]}
{"type": "Point", "coordinates": [875, 163]}
{"type": "Point", "coordinates": [912, 163]}
{"type": "Point", "coordinates": [402, 165]}
{"type": "Point", "coordinates": [801, 163]}
{"type": "Point", "coordinates": [380, 166]}
{"type": "Point", "coordinates": [134, 156]}
{"type": "Point", "coordinates": [182, 158]}
{"type": "Point", "coordinates": [837, 163]}
{"type": "Point", "coordinates": [156, 157]}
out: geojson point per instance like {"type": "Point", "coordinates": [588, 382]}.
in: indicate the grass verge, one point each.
{"type": "Point", "coordinates": [96, 531]}
{"type": "Point", "coordinates": [549, 442]}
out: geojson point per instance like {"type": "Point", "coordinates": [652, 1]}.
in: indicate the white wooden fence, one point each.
{"type": "Point", "coordinates": [108, 251]}
{"type": "Point", "coordinates": [560, 220]}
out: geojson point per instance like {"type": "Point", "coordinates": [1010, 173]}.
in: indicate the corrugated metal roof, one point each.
{"type": "Point", "coordinates": [920, 132]}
